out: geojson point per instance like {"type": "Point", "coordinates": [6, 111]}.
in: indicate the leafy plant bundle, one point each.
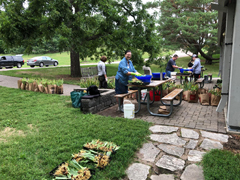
{"type": "Point", "coordinates": [164, 86]}
{"type": "Point", "coordinates": [31, 80]}
{"type": "Point", "coordinates": [218, 85]}
{"type": "Point", "coordinates": [194, 87]}
{"type": "Point", "coordinates": [24, 80]}
{"type": "Point", "coordinates": [135, 81]}
{"type": "Point", "coordinates": [216, 93]}
{"type": "Point", "coordinates": [102, 145]}
{"type": "Point", "coordinates": [59, 82]}
{"type": "Point", "coordinates": [86, 82]}
{"type": "Point", "coordinates": [111, 84]}
{"type": "Point", "coordinates": [87, 156]}
{"type": "Point", "coordinates": [171, 85]}
{"type": "Point", "coordinates": [73, 171]}
{"type": "Point", "coordinates": [185, 86]}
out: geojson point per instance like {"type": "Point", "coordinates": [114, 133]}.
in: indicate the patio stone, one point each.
{"type": "Point", "coordinates": [162, 177]}
{"type": "Point", "coordinates": [163, 129]}
{"type": "Point", "coordinates": [193, 172]}
{"type": "Point", "coordinates": [187, 133]}
{"type": "Point", "coordinates": [171, 163]}
{"type": "Point", "coordinates": [173, 150]}
{"type": "Point", "coordinates": [191, 144]}
{"type": "Point", "coordinates": [219, 137]}
{"type": "Point", "coordinates": [196, 156]}
{"type": "Point", "coordinates": [209, 144]}
{"type": "Point", "coordinates": [168, 138]}
{"type": "Point", "coordinates": [138, 171]}
{"type": "Point", "coordinates": [149, 152]}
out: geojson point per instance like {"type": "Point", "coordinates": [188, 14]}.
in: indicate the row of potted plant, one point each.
{"type": "Point", "coordinates": [41, 85]}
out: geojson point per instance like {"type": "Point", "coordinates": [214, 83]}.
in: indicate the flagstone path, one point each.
{"type": "Point", "coordinates": [173, 153]}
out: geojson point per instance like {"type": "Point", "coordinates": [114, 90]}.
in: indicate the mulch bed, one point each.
{"type": "Point", "coordinates": [233, 144]}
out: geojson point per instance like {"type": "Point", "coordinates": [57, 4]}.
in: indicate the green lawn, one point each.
{"type": "Point", "coordinates": [50, 130]}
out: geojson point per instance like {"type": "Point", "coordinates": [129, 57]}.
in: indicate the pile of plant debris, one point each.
{"type": "Point", "coordinates": [96, 154]}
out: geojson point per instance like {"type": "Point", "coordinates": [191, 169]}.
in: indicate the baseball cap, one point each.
{"type": "Point", "coordinates": [194, 55]}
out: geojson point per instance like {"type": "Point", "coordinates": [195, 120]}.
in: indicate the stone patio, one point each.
{"type": "Point", "coordinates": [189, 115]}
{"type": "Point", "coordinates": [168, 154]}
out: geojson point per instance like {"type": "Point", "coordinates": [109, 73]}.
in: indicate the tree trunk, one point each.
{"type": "Point", "coordinates": [75, 64]}
{"type": "Point", "coordinates": [208, 58]}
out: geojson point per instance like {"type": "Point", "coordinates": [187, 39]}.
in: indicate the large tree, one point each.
{"type": "Point", "coordinates": [86, 27]}
{"type": "Point", "coordinates": [190, 25]}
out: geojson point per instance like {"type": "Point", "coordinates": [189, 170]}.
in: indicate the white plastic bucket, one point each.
{"type": "Point", "coordinates": [143, 93]}
{"type": "Point", "coordinates": [129, 110]}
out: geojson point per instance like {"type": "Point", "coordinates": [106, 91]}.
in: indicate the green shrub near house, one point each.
{"type": "Point", "coordinates": [221, 164]}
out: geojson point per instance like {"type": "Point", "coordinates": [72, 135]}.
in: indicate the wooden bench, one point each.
{"type": "Point", "coordinates": [200, 81]}
{"type": "Point", "coordinates": [121, 96]}
{"type": "Point", "coordinates": [170, 97]}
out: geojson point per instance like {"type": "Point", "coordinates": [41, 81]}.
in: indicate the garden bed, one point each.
{"type": "Point", "coordinates": [94, 105]}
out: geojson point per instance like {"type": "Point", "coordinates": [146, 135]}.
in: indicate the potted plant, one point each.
{"type": "Point", "coordinates": [192, 95]}
{"type": "Point", "coordinates": [30, 85]}
{"type": "Point", "coordinates": [23, 85]}
{"type": "Point", "coordinates": [215, 97]}
{"type": "Point", "coordinates": [59, 84]}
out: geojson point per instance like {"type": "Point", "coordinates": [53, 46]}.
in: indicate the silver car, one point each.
{"type": "Point", "coordinates": [42, 61]}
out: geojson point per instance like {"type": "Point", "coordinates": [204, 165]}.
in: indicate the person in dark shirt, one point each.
{"type": "Point", "coordinates": [171, 65]}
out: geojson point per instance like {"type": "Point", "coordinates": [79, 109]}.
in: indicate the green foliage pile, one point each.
{"type": "Point", "coordinates": [221, 164]}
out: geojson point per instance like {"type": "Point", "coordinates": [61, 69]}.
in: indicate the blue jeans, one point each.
{"type": "Point", "coordinates": [168, 73]}
{"type": "Point", "coordinates": [120, 88]}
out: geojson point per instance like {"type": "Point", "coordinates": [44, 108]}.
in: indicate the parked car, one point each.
{"type": "Point", "coordinates": [42, 61]}
{"type": "Point", "coordinates": [11, 61]}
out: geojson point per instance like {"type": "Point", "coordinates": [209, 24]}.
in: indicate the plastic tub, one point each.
{"type": "Point", "coordinates": [163, 74]}
{"type": "Point", "coordinates": [182, 70]}
{"type": "Point", "coordinates": [156, 75]}
{"type": "Point", "coordinates": [146, 78]}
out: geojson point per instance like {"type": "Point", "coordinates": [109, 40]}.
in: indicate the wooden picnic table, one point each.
{"type": "Point", "coordinates": [153, 84]}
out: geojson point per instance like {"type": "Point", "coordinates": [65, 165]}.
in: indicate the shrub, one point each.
{"type": "Point", "coordinates": [221, 164]}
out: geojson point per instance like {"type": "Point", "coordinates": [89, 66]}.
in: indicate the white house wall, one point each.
{"type": "Point", "coordinates": [227, 56]}
{"type": "Point", "coordinates": [233, 113]}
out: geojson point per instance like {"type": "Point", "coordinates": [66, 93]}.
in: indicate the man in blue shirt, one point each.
{"type": "Point", "coordinates": [171, 65]}
{"type": "Point", "coordinates": [196, 67]}
{"type": "Point", "coordinates": [124, 73]}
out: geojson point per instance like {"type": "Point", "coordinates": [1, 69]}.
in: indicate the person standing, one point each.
{"type": "Point", "coordinates": [196, 67]}
{"type": "Point", "coordinates": [124, 73]}
{"type": "Point", "coordinates": [102, 75]}
{"type": "Point", "coordinates": [171, 65]}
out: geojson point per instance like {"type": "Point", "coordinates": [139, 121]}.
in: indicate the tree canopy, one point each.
{"type": "Point", "coordinates": [82, 27]}
{"type": "Point", "coordinates": [189, 25]}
